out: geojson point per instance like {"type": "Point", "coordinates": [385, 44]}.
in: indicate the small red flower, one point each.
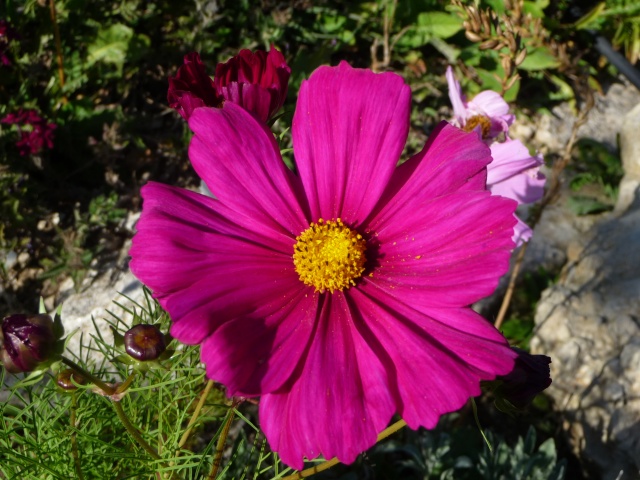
{"type": "Point", "coordinates": [35, 132]}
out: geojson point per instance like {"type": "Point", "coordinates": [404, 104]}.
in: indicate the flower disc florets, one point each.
{"type": "Point", "coordinates": [476, 121]}
{"type": "Point", "coordinates": [329, 256]}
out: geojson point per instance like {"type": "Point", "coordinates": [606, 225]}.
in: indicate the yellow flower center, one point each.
{"type": "Point", "coordinates": [329, 256]}
{"type": "Point", "coordinates": [478, 120]}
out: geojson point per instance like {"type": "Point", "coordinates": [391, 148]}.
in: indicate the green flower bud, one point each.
{"type": "Point", "coordinates": [144, 342]}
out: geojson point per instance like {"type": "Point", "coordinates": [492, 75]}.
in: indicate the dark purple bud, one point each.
{"type": "Point", "coordinates": [530, 376]}
{"type": "Point", "coordinates": [27, 340]}
{"type": "Point", "coordinates": [144, 342]}
{"type": "Point", "coordinates": [64, 379]}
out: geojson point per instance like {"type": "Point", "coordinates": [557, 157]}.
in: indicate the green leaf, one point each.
{"type": "Point", "coordinates": [582, 205]}
{"type": "Point", "coordinates": [539, 59]}
{"type": "Point", "coordinates": [110, 46]}
{"type": "Point", "coordinates": [430, 25]}
{"type": "Point", "coordinates": [592, 19]}
{"type": "Point", "coordinates": [535, 8]}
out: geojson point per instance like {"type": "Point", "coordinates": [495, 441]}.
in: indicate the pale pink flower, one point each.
{"type": "Point", "coordinates": [487, 113]}
{"type": "Point", "coordinates": [515, 174]}
{"type": "Point", "coordinates": [339, 295]}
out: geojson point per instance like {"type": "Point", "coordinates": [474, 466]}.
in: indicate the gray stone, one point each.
{"type": "Point", "coordinates": [589, 324]}
{"type": "Point", "coordinates": [603, 123]}
{"type": "Point", "coordinates": [81, 310]}
{"type": "Point", "coordinates": [630, 152]}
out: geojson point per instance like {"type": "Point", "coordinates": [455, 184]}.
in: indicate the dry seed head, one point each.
{"type": "Point", "coordinates": [505, 61]}
{"type": "Point", "coordinates": [520, 57]}
{"type": "Point", "coordinates": [489, 44]}
{"type": "Point", "coordinates": [512, 81]}
{"type": "Point", "coordinates": [472, 36]}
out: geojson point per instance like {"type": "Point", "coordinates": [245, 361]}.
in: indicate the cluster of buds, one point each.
{"type": "Point", "coordinates": [33, 344]}
{"type": "Point", "coordinates": [257, 81]}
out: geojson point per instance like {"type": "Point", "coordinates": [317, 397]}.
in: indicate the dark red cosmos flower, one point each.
{"type": "Point", "coordinates": [26, 341]}
{"type": "Point", "coordinates": [192, 87]}
{"type": "Point", "coordinates": [256, 81]}
{"type": "Point", "coordinates": [35, 132]}
{"type": "Point", "coordinates": [530, 376]}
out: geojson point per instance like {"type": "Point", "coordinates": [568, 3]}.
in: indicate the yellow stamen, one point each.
{"type": "Point", "coordinates": [329, 256]}
{"type": "Point", "coordinates": [482, 121]}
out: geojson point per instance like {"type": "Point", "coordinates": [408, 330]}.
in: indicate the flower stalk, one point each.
{"type": "Point", "coordinates": [194, 417]}
{"type": "Point", "coordinates": [334, 461]}
{"type": "Point", "coordinates": [222, 439]}
{"type": "Point", "coordinates": [56, 34]}
{"type": "Point", "coordinates": [133, 431]}
{"type": "Point", "coordinates": [74, 443]}
{"type": "Point", "coordinates": [105, 387]}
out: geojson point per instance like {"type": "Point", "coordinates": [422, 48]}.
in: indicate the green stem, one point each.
{"type": "Point", "coordinates": [133, 431]}
{"type": "Point", "coordinates": [222, 439]}
{"type": "Point", "coordinates": [475, 416]}
{"type": "Point", "coordinates": [108, 389]}
{"type": "Point", "coordinates": [127, 383]}
{"type": "Point", "coordinates": [195, 415]}
{"type": "Point", "coordinates": [74, 442]}
{"type": "Point", "coordinates": [334, 461]}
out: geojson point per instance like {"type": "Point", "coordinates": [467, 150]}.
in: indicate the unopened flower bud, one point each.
{"type": "Point", "coordinates": [66, 378]}
{"type": "Point", "coordinates": [144, 342]}
{"type": "Point", "coordinates": [27, 340]}
{"type": "Point", "coordinates": [529, 377]}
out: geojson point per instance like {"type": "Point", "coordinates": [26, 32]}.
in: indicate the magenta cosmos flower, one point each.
{"type": "Point", "coordinates": [256, 81]}
{"type": "Point", "coordinates": [340, 295]}
{"type": "Point", "coordinates": [515, 174]}
{"type": "Point", "coordinates": [487, 113]}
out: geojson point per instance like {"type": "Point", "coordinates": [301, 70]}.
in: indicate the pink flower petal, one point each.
{"type": "Point", "coordinates": [439, 254]}
{"type": "Point", "coordinates": [452, 160]}
{"type": "Point", "coordinates": [509, 159]}
{"type": "Point", "coordinates": [349, 130]}
{"type": "Point", "coordinates": [489, 103]}
{"type": "Point", "coordinates": [439, 355]}
{"type": "Point", "coordinates": [342, 397]}
{"type": "Point", "coordinates": [521, 232]}
{"type": "Point", "coordinates": [254, 354]}
{"type": "Point", "coordinates": [249, 270]}
{"type": "Point", "coordinates": [456, 96]}
{"type": "Point", "coordinates": [240, 162]}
